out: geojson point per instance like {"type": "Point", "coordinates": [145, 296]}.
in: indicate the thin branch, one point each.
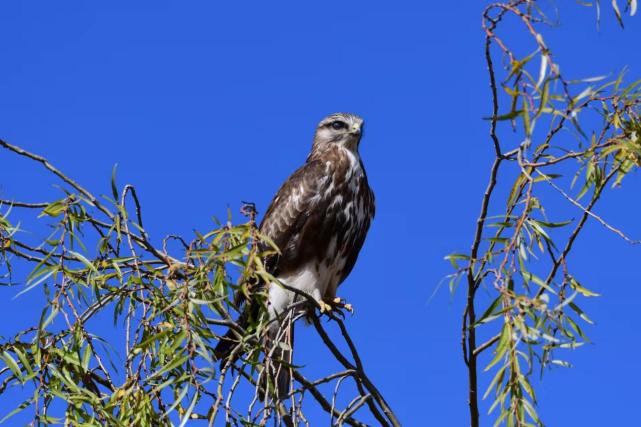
{"type": "Point", "coordinates": [588, 211]}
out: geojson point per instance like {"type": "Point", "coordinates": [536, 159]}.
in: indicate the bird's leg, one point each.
{"type": "Point", "coordinates": [336, 304]}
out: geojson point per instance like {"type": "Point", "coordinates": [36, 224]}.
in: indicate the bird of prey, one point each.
{"type": "Point", "coordinates": [318, 220]}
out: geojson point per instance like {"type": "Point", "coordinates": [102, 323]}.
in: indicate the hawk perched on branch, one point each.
{"type": "Point", "coordinates": [318, 219]}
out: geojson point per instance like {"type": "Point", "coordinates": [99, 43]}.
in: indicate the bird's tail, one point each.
{"type": "Point", "coordinates": [276, 375]}
{"type": "Point", "coordinates": [250, 313]}
{"type": "Point", "coordinates": [277, 347]}
{"type": "Point", "coordinates": [228, 342]}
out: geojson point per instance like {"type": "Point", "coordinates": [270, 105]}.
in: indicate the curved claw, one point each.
{"type": "Point", "coordinates": [340, 303]}
{"type": "Point", "coordinates": [337, 305]}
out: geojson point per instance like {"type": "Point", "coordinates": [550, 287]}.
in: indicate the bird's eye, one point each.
{"type": "Point", "coordinates": [338, 125]}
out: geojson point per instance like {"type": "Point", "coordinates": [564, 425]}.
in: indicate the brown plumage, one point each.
{"type": "Point", "coordinates": [318, 219]}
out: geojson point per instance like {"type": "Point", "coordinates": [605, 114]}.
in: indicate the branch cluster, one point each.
{"type": "Point", "coordinates": [168, 304]}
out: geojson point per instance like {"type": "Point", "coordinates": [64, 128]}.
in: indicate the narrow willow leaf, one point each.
{"type": "Point", "coordinates": [54, 208]}
{"type": "Point", "coordinates": [24, 360]}
{"type": "Point", "coordinates": [452, 258]}
{"type": "Point", "coordinates": [571, 345]}
{"type": "Point", "coordinates": [173, 364]}
{"type": "Point", "coordinates": [516, 188]}
{"type": "Point", "coordinates": [496, 381]}
{"type": "Point", "coordinates": [530, 410]}
{"type": "Point", "coordinates": [527, 386]}
{"type": "Point", "coordinates": [546, 177]}
{"type": "Point", "coordinates": [502, 240]}
{"type": "Point", "coordinates": [565, 301]}
{"type": "Point", "coordinates": [545, 96]}
{"type": "Point", "coordinates": [617, 12]}
{"type": "Point", "coordinates": [86, 357]}
{"type": "Point", "coordinates": [552, 224]}
{"type": "Point", "coordinates": [114, 188]}
{"type": "Point", "coordinates": [178, 399]}
{"type": "Point", "coordinates": [542, 70]}
{"type": "Point", "coordinates": [189, 410]}
{"type": "Point", "coordinates": [489, 310]}
{"type": "Point", "coordinates": [11, 364]}
{"type": "Point", "coordinates": [46, 321]}
{"type": "Point", "coordinates": [84, 260]}
{"type": "Point", "coordinates": [517, 65]}
{"type": "Point", "coordinates": [527, 124]}
{"type": "Point", "coordinates": [576, 327]}
{"type": "Point", "coordinates": [154, 338]}
{"type": "Point", "coordinates": [580, 289]}
{"type": "Point", "coordinates": [500, 419]}
{"type": "Point", "coordinates": [580, 312]}
{"type": "Point", "coordinates": [507, 116]}
{"type": "Point", "coordinates": [20, 407]}
{"type": "Point", "coordinates": [500, 399]}
{"type": "Point", "coordinates": [502, 345]}
{"type": "Point", "coordinates": [37, 282]}
{"type": "Point", "coordinates": [539, 230]}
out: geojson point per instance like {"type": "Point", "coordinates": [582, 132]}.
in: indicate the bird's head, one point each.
{"type": "Point", "coordinates": [341, 129]}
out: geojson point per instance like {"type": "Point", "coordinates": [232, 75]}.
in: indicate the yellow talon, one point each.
{"type": "Point", "coordinates": [336, 304]}
{"type": "Point", "coordinates": [324, 307]}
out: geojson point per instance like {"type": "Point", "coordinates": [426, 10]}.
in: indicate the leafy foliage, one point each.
{"type": "Point", "coordinates": [167, 305]}
{"type": "Point", "coordinates": [520, 250]}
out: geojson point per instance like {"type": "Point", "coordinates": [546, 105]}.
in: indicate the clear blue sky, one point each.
{"type": "Point", "coordinates": [204, 104]}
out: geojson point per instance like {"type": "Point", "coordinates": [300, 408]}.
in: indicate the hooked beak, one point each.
{"type": "Point", "coordinates": [356, 129]}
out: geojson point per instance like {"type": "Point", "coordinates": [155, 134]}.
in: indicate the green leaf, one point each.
{"type": "Point", "coordinates": [86, 357]}
{"type": "Point", "coordinates": [516, 189]}
{"type": "Point", "coordinates": [517, 66]}
{"type": "Point", "coordinates": [20, 407]}
{"type": "Point", "coordinates": [24, 360]}
{"type": "Point", "coordinates": [580, 312]}
{"type": "Point", "coordinates": [507, 116]}
{"type": "Point", "coordinates": [173, 364]}
{"type": "Point", "coordinates": [552, 224]}
{"type": "Point", "coordinates": [562, 363]}
{"type": "Point", "coordinates": [12, 364]}
{"type": "Point", "coordinates": [178, 399]}
{"type": "Point", "coordinates": [489, 311]}
{"type": "Point", "coordinates": [54, 208]}
{"type": "Point", "coordinates": [546, 177]}
{"type": "Point", "coordinates": [580, 289]}
{"type": "Point", "coordinates": [617, 12]}
{"type": "Point", "coordinates": [502, 346]}
{"type": "Point", "coordinates": [84, 260]}
{"type": "Point", "coordinates": [536, 279]}
{"type": "Point", "coordinates": [114, 189]}
{"type": "Point", "coordinates": [452, 258]}
{"type": "Point", "coordinates": [154, 338]}
{"type": "Point", "coordinates": [545, 96]}
{"type": "Point", "coordinates": [527, 125]}
{"type": "Point", "coordinates": [530, 410]}
{"type": "Point", "coordinates": [37, 282]}
{"type": "Point", "coordinates": [190, 409]}
{"type": "Point", "coordinates": [496, 381]}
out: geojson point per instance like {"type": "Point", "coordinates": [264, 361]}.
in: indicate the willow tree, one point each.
{"type": "Point", "coordinates": [168, 304]}
{"type": "Point", "coordinates": [552, 137]}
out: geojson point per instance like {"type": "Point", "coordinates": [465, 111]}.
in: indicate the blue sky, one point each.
{"type": "Point", "coordinates": [203, 105]}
